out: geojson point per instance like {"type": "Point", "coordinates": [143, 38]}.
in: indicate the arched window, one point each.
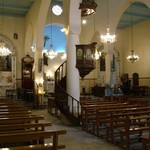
{"type": "Point", "coordinates": [55, 37]}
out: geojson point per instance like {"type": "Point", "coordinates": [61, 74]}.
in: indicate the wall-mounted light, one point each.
{"type": "Point", "coordinates": [64, 56]}
{"type": "Point", "coordinates": [65, 30]}
{"type": "Point", "coordinates": [84, 21]}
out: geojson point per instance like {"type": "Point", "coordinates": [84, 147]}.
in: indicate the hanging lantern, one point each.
{"type": "Point", "coordinates": [88, 7]}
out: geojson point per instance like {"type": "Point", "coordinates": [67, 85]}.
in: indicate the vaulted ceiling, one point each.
{"type": "Point", "coordinates": [19, 8]}
{"type": "Point", "coordinates": [138, 11]}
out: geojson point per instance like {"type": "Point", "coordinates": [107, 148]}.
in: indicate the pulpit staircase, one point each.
{"type": "Point", "coordinates": [66, 104]}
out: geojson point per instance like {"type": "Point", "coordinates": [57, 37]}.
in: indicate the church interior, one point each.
{"type": "Point", "coordinates": [74, 74]}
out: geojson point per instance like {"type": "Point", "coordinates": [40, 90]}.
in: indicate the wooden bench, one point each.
{"type": "Point", "coordinates": [88, 112]}
{"type": "Point", "coordinates": [15, 112]}
{"type": "Point", "coordinates": [20, 130]}
{"type": "Point", "coordinates": [145, 142]}
{"type": "Point", "coordinates": [36, 147]}
{"type": "Point", "coordinates": [20, 120]}
{"type": "Point", "coordinates": [114, 118]}
{"type": "Point", "coordinates": [24, 127]}
{"type": "Point", "coordinates": [133, 124]}
{"type": "Point", "coordinates": [117, 121]}
{"type": "Point", "coordinates": [35, 137]}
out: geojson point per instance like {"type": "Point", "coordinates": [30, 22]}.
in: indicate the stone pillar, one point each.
{"type": "Point", "coordinates": [109, 54]}
{"type": "Point", "coordinates": [73, 87]}
{"type": "Point", "coordinates": [39, 86]}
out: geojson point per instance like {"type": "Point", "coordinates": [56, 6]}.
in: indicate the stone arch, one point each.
{"type": "Point", "coordinates": [9, 43]}
{"type": "Point", "coordinates": [59, 44]}
{"type": "Point", "coordinates": [43, 10]}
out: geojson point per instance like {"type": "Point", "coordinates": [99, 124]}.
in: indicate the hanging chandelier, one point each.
{"type": "Point", "coordinates": [132, 57]}
{"type": "Point", "coordinates": [108, 38]}
{"type": "Point", "coordinates": [51, 54]}
{"type": "Point", "coordinates": [88, 7]}
{"type": "Point", "coordinates": [4, 51]}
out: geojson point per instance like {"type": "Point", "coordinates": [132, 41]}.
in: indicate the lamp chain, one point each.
{"type": "Point", "coordinates": [2, 15]}
{"type": "Point", "coordinates": [94, 24]}
{"type": "Point", "coordinates": [51, 24]}
{"type": "Point", "coordinates": [131, 27]}
{"type": "Point", "coordinates": [107, 15]}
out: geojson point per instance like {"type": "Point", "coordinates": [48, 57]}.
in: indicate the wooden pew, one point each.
{"type": "Point", "coordinates": [36, 147]}
{"type": "Point", "coordinates": [114, 118]}
{"type": "Point", "coordinates": [14, 113]}
{"type": "Point", "coordinates": [21, 120]}
{"type": "Point", "coordinates": [88, 113]}
{"type": "Point", "coordinates": [145, 142]}
{"type": "Point", "coordinates": [36, 137]}
{"type": "Point", "coordinates": [117, 121]}
{"type": "Point", "coordinates": [18, 125]}
{"type": "Point", "coordinates": [133, 124]}
{"type": "Point", "coordinates": [24, 127]}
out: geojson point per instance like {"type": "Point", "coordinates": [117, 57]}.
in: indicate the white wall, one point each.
{"type": "Point", "coordinates": [11, 25]}
{"type": "Point", "coordinates": [141, 45]}
{"type": "Point", "coordinates": [123, 44]}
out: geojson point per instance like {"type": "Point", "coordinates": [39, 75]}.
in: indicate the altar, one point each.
{"type": "Point", "coordinates": [4, 88]}
{"type": "Point", "coordinates": [7, 82]}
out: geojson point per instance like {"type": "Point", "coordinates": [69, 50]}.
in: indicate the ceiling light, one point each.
{"type": "Point", "coordinates": [57, 8]}
{"type": "Point", "coordinates": [51, 54]}
{"type": "Point", "coordinates": [108, 38]}
{"type": "Point", "coordinates": [4, 51]}
{"type": "Point", "coordinates": [132, 57]}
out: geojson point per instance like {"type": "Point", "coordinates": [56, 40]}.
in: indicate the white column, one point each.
{"type": "Point", "coordinates": [39, 70]}
{"type": "Point", "coordinates": [73, 87]}
{"type": "Point", "coordinates": [109, 54]}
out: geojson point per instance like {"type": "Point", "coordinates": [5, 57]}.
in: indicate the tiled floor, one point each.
{"type": "Point", "coordinates": [76, 138]}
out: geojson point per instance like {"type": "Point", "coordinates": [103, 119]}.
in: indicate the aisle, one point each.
{"type": "Point", "coordinates": [76, 138]}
